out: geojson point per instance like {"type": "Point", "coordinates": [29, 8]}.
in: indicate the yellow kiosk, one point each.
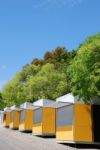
{"type": "Point", "coordinates": [14, 117]}
{"type": "Point", "coordinates": [26, 117]}
{"type": "Point", "coordinates": [44, 118]}
{"type": "Point", "coordinates": [6, 117]}
{"type": "Point", "coordinates": [76, 121]}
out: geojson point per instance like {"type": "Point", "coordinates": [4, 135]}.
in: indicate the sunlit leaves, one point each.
{"type": "Point", "coordinates": [85, 69]}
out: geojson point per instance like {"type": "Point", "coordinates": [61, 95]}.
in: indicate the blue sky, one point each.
{"type": "Point", "coordinates": [28, 28]}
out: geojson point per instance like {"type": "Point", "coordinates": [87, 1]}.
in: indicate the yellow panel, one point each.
{"type": "Point", "coordinates": [28, 123]}
{"type": "Point", "coordinates": [22, 126]}
{"type": "Point", "coordinates": [6, 120]}
{"type": "Point", "coordinates": [16, 119]}
{"type": "Point", "coordinates": [83, 115]}
{"type": "Point", "coordinates": [83, 134]}
{"type": "Point", "coordinates": [82, 123]}
{"type": "Point", "coordinates": [29, 119]}
{"type": "Point", "coordinates": [83, 108]}
{"type": "Point", "coordinates": [15, 123]}
{"type": "Point", "coordinates": [11, 125]}
{"type": "Point", "coordinates": [65, 133]}
{"type": "Point", "coordinates": [83, 119]}
{"type": "Point", "coordinates": [37, 128]}
{"type": "Point", "coordinates": [49, 121]}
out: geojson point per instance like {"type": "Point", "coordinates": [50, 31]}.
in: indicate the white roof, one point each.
{"type": "Point", "coordinates": [7, 109]}
{"type": "Point", "coordinates": [66, 100]}
{"type": "Point", "coordinates": [59, 104]}
{"type": "Point", "coordinates": [26, 105]}
{"type": "Point", "coordinates": [69, 98]}
{"type": "Point", "coordinates": [1, 112]}
{"type": "Point", "coordinates": [43, 103]}
{"type": "Point", "coordinates": [14, 108]}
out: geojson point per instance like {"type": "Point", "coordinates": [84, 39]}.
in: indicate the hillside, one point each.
{"type": "Point", "coordinates": [58, 73]}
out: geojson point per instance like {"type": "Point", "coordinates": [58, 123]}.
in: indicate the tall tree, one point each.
{"type": "Point", "coordinates": [85, 69]}
{"type": "Point", "coordinates": [48, 83]}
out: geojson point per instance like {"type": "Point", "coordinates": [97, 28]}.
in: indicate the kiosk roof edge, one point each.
{"type": "Point", "coordinates": [43, 103]}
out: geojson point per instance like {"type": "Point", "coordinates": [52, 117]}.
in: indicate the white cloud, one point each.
{"type": "Point", "coordinates": [45, 3]}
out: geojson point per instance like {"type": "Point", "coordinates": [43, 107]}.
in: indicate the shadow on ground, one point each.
{"type": "Point", "coordinates": [46, 137]}
{"type": "Point", "coordinates": [83, 146]}
{"type": "Point", "coordinates": [30, 132]}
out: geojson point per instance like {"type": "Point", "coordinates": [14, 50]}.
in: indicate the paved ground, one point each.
{"type": "Point", "coordinates": [14, 140]}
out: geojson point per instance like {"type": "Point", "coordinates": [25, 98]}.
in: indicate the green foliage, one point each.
{"type": "Point", "coordinates": [58, 73]}
{"type": "Point", "coordinates": [59, 55]}
{"type": "Point", "coordinates": [48, 83]}
{"type": "Point", "coordinates": [37, 62]}
{"type": "Point", "coordinates": [85, 69]}
{"type": "Point", "coordinates": [43, 78]}
{"type": "Point", "coordinates": [13, 92]}
{"type": "Point", "coordinates": [1, 102]}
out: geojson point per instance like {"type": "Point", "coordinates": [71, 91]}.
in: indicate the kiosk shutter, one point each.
{"type": "Point", "coordinates": [65, 116]}
{"type": "Point", "coordinates": [22, 116]}
{"type": "Point", "coordinates": [12, 116]}
{"type": "Point", "coordinates": [38, 115]}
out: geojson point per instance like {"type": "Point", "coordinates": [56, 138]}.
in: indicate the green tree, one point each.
{"type": "Point", "coordinates": [48, 83]}
{"type": "Point", "coordinates": [43, 78]}
{"type": "Point", "coordinates": [14, 91]}
{"type": "Point", "coordinates": [2, 105]}
{"type": "Point", "coordinates": [85, 69]}
{"type": "Point", "coordinates": [37, 62]}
